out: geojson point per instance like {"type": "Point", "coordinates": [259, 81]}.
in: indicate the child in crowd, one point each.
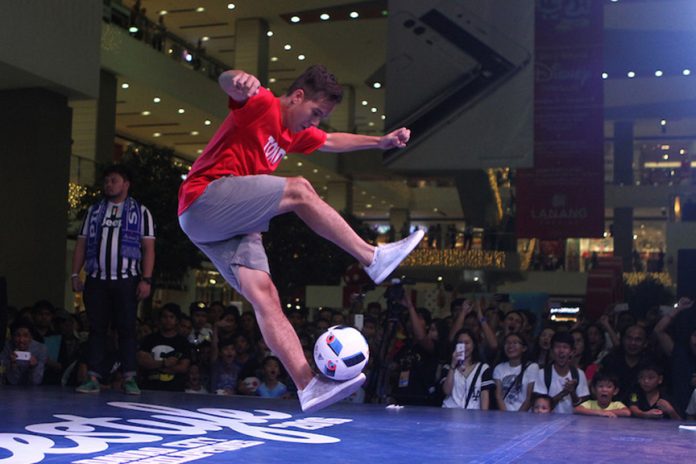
{"type": "Point", "coordinates": [225, 371]}
{"type": "Point", "coordinates": [514, 378]}
{"type": "Point", "coordinates": [563, 382]}
{"type": "Point", "coordinates": [648, 402]}
{"type": "Point", "coordinates": [194, 383]}
{"type": "Point", "coordinates": [604, 388]}
{"type": "Point", "coordinates": [543, 404]}
{"type": "Point", "coordinates": [271, 386]}
{"type": "Point", "coordinates": [23, 357]}
{"type": "Point", "coordinates": [468, 383]}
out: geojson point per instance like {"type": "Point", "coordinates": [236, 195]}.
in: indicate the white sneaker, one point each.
{"type": "Point", "coordinates": [388, 257]}
{"type": "Point", "coordinates": [322, 392]}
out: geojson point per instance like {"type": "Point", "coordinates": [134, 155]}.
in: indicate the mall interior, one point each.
{"type": "Point", "coordinates": [84, 83]}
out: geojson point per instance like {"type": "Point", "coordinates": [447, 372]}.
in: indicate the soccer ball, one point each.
{"type": "Point", "coordinates": [341, 352]}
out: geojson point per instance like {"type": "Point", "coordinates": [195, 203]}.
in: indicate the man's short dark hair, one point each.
{"type": "Point", "coordinates": [563, 337]}
{"type": "Point", "coordinates": [172, 308]}
{"type": "Point", "coordinates": [119, 169]}
{"type": "Point", "coordinates": [318, 83]}
{"type": "Point", "coordinates": [22, 323]}
{"type": "Point", "coordinates": [456, 302]}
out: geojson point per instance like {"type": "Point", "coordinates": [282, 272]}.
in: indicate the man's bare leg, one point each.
{"type": "Point", "coordinates": [258, 289]}
{"type": "Point", "coordinates": [301, 198]}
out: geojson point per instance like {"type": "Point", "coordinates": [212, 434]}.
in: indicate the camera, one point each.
{"type": "Point", "coordinates": [394, 294]}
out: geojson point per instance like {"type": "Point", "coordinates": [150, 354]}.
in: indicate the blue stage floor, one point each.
{"type": "Point", "coordinates": [51, 425]}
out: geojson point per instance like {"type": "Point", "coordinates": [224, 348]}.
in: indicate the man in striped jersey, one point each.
{"type": "Point", "coordinates": [116, 245]}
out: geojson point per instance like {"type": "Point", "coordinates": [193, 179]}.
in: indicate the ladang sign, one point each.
{"type": "Point", "coordinates": [77, 435]}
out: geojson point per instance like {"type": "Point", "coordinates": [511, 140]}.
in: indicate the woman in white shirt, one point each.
{"type": "Point", "coordinates": [468, 382]}
{"type": "Point", "coordinates": [514, 378]}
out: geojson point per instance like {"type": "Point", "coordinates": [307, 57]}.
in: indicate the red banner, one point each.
{"type": "Point", "coordinates": [563, 195]}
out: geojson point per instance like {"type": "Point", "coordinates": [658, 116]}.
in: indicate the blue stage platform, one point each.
{"type": "Point", "coordinates": [51, 425]}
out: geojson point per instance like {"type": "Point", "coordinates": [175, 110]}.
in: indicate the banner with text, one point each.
{"type": "Point", "coordinates": [563, 195]}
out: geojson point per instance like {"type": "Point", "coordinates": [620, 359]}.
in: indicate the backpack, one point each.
{"type": "Point", "coordinates": [547, 375]}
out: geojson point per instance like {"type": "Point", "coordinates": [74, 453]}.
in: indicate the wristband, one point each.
{"type": "Point", "coordinates": [147, 280]}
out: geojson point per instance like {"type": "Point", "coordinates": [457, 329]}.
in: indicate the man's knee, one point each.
{"type": "Point", "coordinates": [299, 191]}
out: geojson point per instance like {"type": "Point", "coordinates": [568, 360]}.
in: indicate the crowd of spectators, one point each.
{"type": "Point", "coordinates": [482, 355]}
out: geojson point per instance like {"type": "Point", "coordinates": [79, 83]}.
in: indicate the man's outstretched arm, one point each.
{"type": "Point", "coordinates": [337, 142]}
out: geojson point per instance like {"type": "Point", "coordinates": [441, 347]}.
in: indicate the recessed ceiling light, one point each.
{"type": "Point", "coordinates": [299, 164]}
{"type": "Point", "coordinates": [199, 151]}
{"type": "Point", "coordinates": [231, 6]}
{"type": "Point", "coordinates": [269, 34]}
{"type": "Point", "coordinates": [605, 76]}
{"type": "Point", "coordinates": [157, 134]}
{"type": "Point", "coordinates": [145, 113]}
{"type": "Point", "coordinates": [324, 16]}
{"type": "Point", "coordinates": [686, 72]}
{"type": "Point", "coordinates": [163, 12]}
{"type": "Point", "coordinates": [207, 122]}
{"type": "Point", "coordinates": [125, 85]}
{"type": "Point", "coordinates": [383, 117]}
{"type": "Point", "coordinates": [157, 99]}
{"type": "Point", "coordinates": [373, 109]}
{"type": "Point", "coordinates": [200, 9]}
{"type": "Point", "coordinates": [631, 74]}
{"type": "Point", "coordinates": [354, 14]}
{"type": "Point", "coordinates": [205, 38]}
{"type": "Point", "coordinates": [295, 19]}
{"type": "Point", "coordinates": [301, 57]}
{"type": "Point", "coordinates": [194, 132]}
{"type": "Point", "coordinates": [364, 103]}
{"type": "Point", "coordinates": [272, 80]}
{"type": "Point", "coordinates": [315, 170]}
{"type": "Point", "coordinates": [287, 46]}
{"type": "Point", "coordinates": [181, 111]}
{"type": "Point", "coordinates": [274, 58]}
{"type": "Point", "coordinates": [377, 85]}
{"type": "Point", "coordinates": [132, 29]}
{"type": "Point", "coordinates": [658, 73]}
{"type": "Point", "coordinates": [371, 124]}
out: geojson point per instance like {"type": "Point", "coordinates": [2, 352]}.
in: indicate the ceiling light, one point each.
{"type": "Point", "coordinates": [132, 29]}
{"type": "Point", "coordinates": [658, 73]}
{"type": "Point", "coordinates": [301, 57]}
{"type": "Point", "coordinates": [157, 99]}
{"type": "Point", "coordinates": [663, 122]}
{"type": "Point", "coordinates": [605, 75]}
{"type": "Point", "coordinates": [274, 58]}
{"type": "Point", "coordinates": [231, 6]}
{"type": "Point", "coordinates": [205, 38]}
{"type": "Point", "coordinates": [194, 132]}
{"type": "Point", "coordinates": [181, 111]}
{"type": "Point", "coordinates": [324, 16]}
{"type": "Point", "coordinates": [145, 113]}
{"type": "Point", "coordinates": [299, 164]}
{"type": "Point", "coordinates": [371, 124]}
{"type": "Point", "coordinates": [207, 122]}
{"type": "Point", "coordinates": [373, 109]}
{"type": "Point", "coordinates": [364, 103]}
{"type": "Point", "coordinates": [269, 34]}
{"type": "Point", "coordinates": [631, 74]}
{"type": "Point", "coordinates": [315, 170]}
{"type": "Point", "coordinates": [682, 152]}
{"type": "Point", "coordinates": [156, 134]}
{"type": "Point", "coordinates": [686, 72]}
{"type": "Point", "coordinates": [377, 85]}
{"type": "Point", "coordinates": [287, 46]}
{"type": "Point", "coordinates": [200, 9]}
{"type": "Point", "coordinates": [163, 12]}
{"type": "Point", "coordinates": [354, 14]}
{"type": "Point", "coordinates": [199, 151]}
{"type": "Point", "coordinates": [295, 19]}
{"type": "Point", "coordinates": [125, 85]}
{"type": "Point", "coordinates": [272, 80]}
{"type": "Point", "coordinates": [383, 117]}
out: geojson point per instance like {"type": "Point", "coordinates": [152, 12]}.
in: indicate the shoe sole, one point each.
{"type": "Point", "coordinates": [349, 387]}
{"type": "Point", "coordinates": [86, 391]}
{"type": "Point", "coordinates": [415, 239]}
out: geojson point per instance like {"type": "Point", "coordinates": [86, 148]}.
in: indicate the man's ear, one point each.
{"type": "Point", "coordinates": [297, 96]}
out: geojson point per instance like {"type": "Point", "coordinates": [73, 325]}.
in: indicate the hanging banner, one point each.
{"type": "Point", "coordinates": [563, 195]}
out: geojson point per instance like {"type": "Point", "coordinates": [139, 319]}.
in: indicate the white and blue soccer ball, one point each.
{"type": "Point", "coordinates": [341, 352]}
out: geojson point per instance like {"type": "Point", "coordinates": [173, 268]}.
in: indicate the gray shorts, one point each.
{"type": "Point", "coordinates": [226, 222]}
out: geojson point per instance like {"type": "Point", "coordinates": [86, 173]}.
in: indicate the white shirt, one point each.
{"type": "Point", "coordinates": [565, 406]}
{"type": "Point", "coordinates": [462, 384]}
{"type": "Point", "coordinates": [507, 375]}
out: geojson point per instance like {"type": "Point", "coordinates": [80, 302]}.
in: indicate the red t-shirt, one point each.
{"type": "Point", "coordinates": [251, 140]}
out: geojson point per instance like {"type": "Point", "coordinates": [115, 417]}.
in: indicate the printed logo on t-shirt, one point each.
{"type": "Point", "coordinates": [273, 151]}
